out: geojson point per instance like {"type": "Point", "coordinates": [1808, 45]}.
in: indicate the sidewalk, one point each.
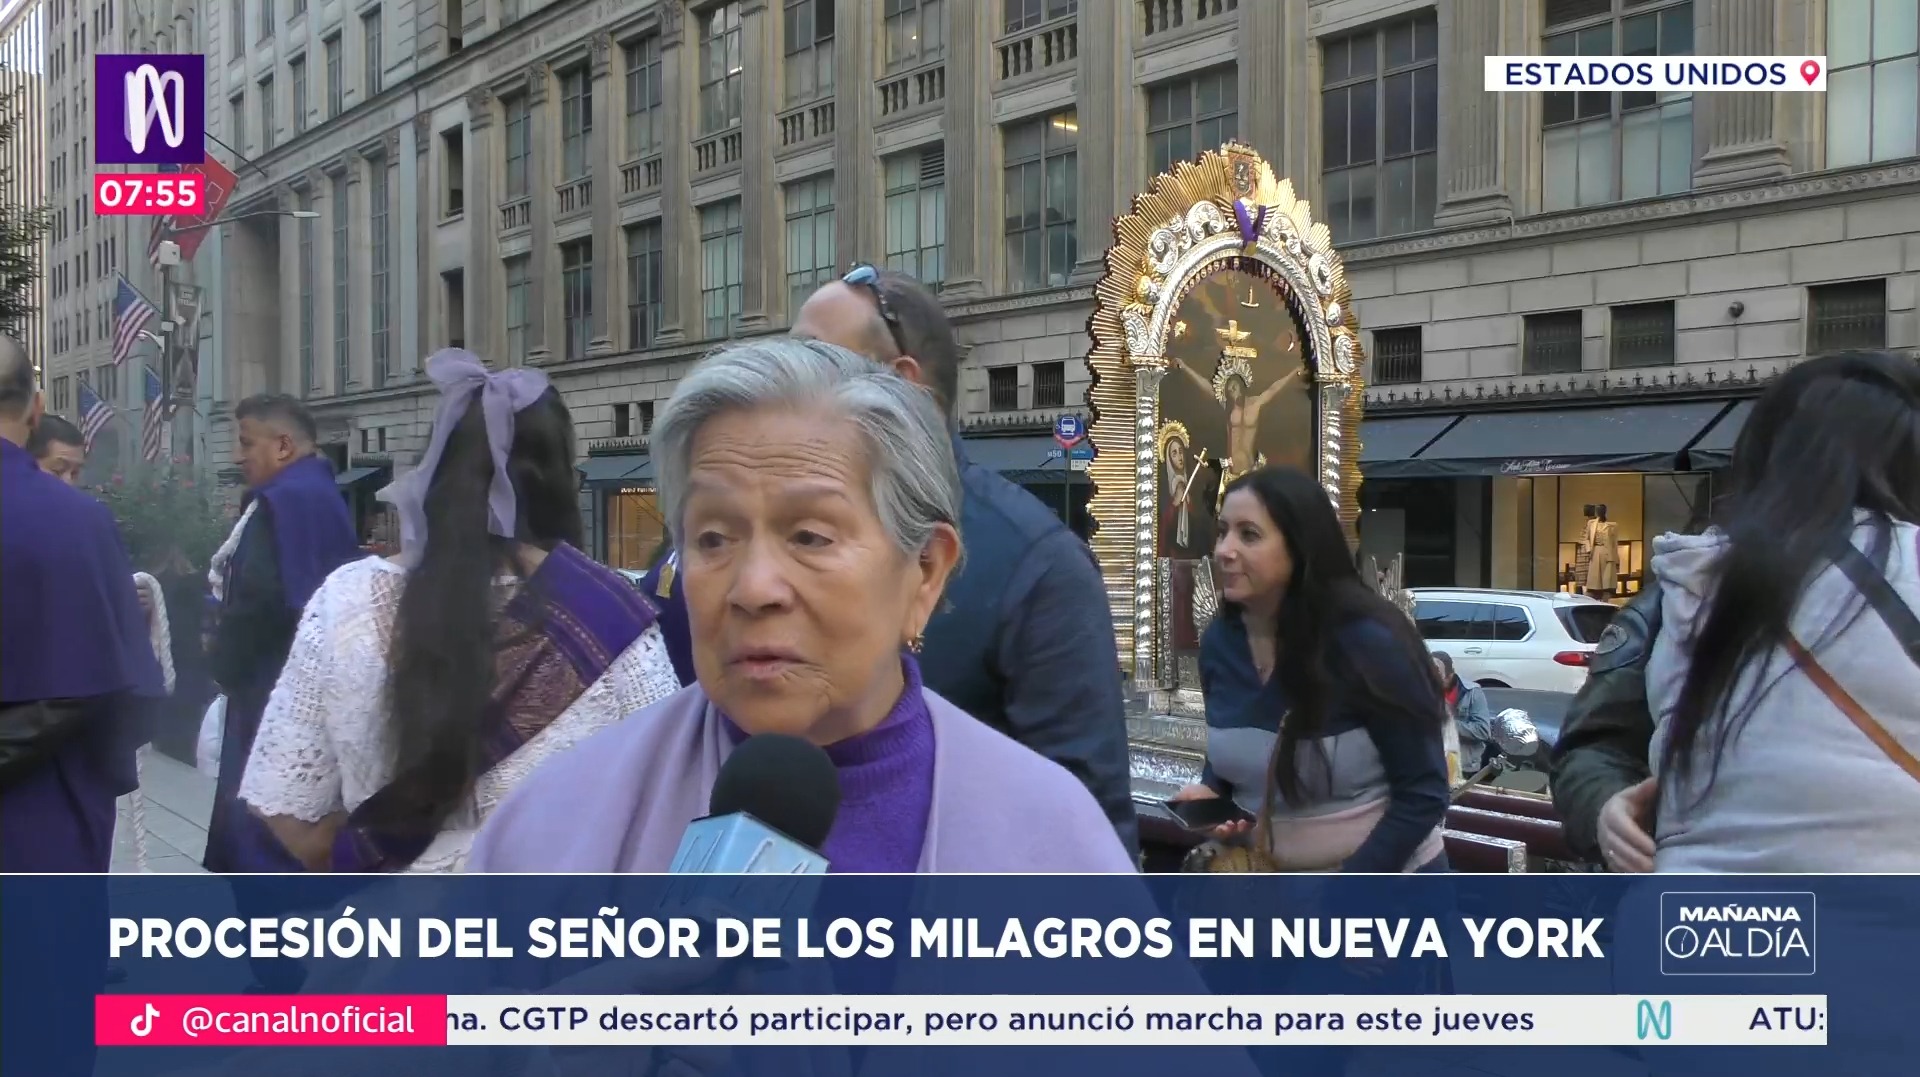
{"type": "Point", "coordinates": [178, 801]}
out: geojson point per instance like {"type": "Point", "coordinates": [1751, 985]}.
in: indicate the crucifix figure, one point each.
{"type": "Point", "coordinates": [1231, 386]}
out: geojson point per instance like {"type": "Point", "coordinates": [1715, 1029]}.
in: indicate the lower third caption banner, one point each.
{"type": "Point", "coordinates": [959, 1020]}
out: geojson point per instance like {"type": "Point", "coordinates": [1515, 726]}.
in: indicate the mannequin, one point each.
{"type": "Point", "coordinates": [1582, 551]}
{"type": "Point", "coordinates": [1603, 559]}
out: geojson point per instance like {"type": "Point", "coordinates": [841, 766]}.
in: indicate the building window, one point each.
{"type": "Point", "coordinates": [341, 215]}
{"type": "Point", "coordinates": [645, 408]}
{"type": "Point", "coordinates": [379, 283]}
{"type": "Point", "coordinates": [266, 114]}
{"type": "Point", "coordinates": [62, 393]}
{"type": "Point", "coordinates": [1042, 195]}
{"type": "Point", "coordinates": [336, 91]}
{"type": "Point", "coordinates": [916, 32]}
{"type": "Point", "coordinates": [299, 8]}
{"type": "Point", "coordinates": [720, 266]}
{"type": "Point", "coordinates": [1026, 14]}
{"type": "Point", "coordinates": [720, 68]}
{"type": "Point", "coordinates": [454, 286]}
{"type": "Point", "coordinates": [576, 294]}
{"type": "Point", "coordinates": [237, 12]}
{"type": "Point", "coordinates": [1642, 335]}
{"type": "Point", "coordinates": [307, 372]}
{"type": "Point", "coordinates": [1852, 314]}
{"type": "Point", "coordinates": [1603, 147]}
{"type": "Point", "coordinates": [644, 292]}
{"type": "Point", "coordinates": [237, 118]}
{"type": "Point", "coordinates": [1396, 355]}
{"type": "Point", "coordinates": [370, 34]}
{"type": "Point", "coordinates": [917, 214]}
{"type": "Point", "coordinates": [1003, 388]}
{"type": "Point", "coordinates": [810, 258]}
{"type": "Point", "coordinates": [266, 20]}
{"type": "Point", "coordinates": [453, 167]}
{"type": "Point", "coordinates": [1873, 81]}
{"type": "Point", "coordinates": [621, 418]}
{"type": "Point", "coordinates": [297, 75]}
{"type": "Point", "coordinates": [576, 123]}
{"type": "Point", "coordinates": [519, 287]}
{"type": "Point", "coordinates": [1552, 343]}
{"type": "Point", "coordinates": [518, 130]}
{"type": "Point", "coordinates": [807, 27]}
{"type": "Point", "coordinates": [1050, 385]}
{"type": "Point", "coordinates": [1190, 116]}
{"type": "Point", "coordinates": [1379, 114]}
{"type": "Point", "coordinates": [644, 118]}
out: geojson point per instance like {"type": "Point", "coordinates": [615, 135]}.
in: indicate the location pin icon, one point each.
{"type": "Point", "coordinates": [1810, 70]}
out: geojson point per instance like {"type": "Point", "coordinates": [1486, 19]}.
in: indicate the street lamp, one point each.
{"type": "Point", "coordinates": [166, 256]}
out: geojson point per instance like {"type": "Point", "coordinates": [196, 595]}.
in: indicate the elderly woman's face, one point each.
{"type": "Point", "coordinates": [798, 600]}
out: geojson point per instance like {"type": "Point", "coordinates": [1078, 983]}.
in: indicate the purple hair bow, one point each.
{"type": "Point", "coordinates": [461, 375]}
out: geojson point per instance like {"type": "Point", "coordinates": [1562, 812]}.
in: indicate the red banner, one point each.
{"type": "Point", "coordinates": [216, 184]}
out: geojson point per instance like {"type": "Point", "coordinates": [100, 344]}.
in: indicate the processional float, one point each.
{"type": "Point", "coordinates": [1223, 340]}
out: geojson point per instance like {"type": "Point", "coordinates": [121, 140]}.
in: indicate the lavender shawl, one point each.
{"type": "Point", "coordinates": [620, 801]}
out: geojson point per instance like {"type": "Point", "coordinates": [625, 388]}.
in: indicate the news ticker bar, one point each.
{"type": "Point", "coordinates": [959, 1020]}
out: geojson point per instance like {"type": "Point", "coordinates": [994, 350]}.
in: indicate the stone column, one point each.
{"type": "Point", "coordinates": [679, 224]}
{"type": "Point", "coordinates": [285, 374]}
{"type": "Point", "coordinates": [1112, 138]}
{"type": "Point", "coordinates": [604, 166]}
{"type": "Point", "coordinates": [971, 197]}
{"type": "Point", "coordinates": [416, 281]}
{"type": "Point", "coordinates": [359, 279]}
{"type": "Point", "coordinates": [762, 277]}
{"type": "Point", "coordinates": [1280, 67]}
{"type": "Point", "coordinates": [543, 264]}
{"type": "Point", "coordinates": [1736, 130]}
{"type": "Point", "coordinates": [1472, 187]}
{"type": "Point", "coordinates": [859, 183]}
{"type": "Point", "coordinates": [485, 330]}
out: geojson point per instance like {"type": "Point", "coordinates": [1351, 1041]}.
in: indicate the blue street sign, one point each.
{"type": "Point", "coordinates": [1082, 451]}
{"type": "Point", "coordinates": [1067, 430]}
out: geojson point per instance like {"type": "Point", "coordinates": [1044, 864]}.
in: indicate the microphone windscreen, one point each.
{"type": "Point", "coordinates": [785, 782]}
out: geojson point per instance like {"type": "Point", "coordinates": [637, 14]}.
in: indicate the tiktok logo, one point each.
{"type": "Point", "coordinates": [142, 1025]}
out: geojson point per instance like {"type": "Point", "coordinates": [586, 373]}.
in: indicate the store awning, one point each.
{"type": "Point", "coordinates": [354, 476]}
{"type": "Point", "coordinates": [627, 470]}
{"type": "Point", "coordinates": [1626, 437]}
{"type": "Point", "coordinates": [1715, 447]}
{"type": "Point", "coordinates": [1386, 444]}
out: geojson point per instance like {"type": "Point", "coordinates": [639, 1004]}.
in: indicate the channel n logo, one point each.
{"type": "Point", "coordinates": [1653, 1019]}
{"type": "Point", "coordinates": [149, 109]}
{"type": "Point", "coordinates": [155, 97]}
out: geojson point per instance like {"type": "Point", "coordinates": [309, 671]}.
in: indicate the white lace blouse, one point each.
{"type": "Point", "coordinates": [322, 746]}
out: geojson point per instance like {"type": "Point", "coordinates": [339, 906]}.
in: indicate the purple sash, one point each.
{"type": "Point", "coordinates": [590, 614]}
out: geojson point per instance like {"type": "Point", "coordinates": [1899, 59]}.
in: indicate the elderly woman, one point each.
{"type": "Point", "coordinates": [812, 497]}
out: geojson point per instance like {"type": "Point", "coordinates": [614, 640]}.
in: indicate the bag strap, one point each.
{"type": "Point", "coordinates": [1899, 617]}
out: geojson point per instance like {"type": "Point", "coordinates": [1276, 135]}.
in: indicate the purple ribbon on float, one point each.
{"type": "Point", "coordinates": [1250, 222]}
{"type": "Point", "coordinates": [461, 376]}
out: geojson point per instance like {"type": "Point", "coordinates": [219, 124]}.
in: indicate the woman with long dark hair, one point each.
{"type": "Point", "coordinates": [423, 688]}
{"type": "Point", "coordinates": [1325, 720]}
{"type": "Point", "coordinates": [1784, 678]}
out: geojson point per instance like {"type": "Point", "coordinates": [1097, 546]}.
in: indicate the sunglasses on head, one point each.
{"type": "Point", "coordinates": [864, 275]}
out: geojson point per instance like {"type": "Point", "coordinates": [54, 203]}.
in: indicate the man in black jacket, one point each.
{"type": "Point", "coordinates": [1602, 783]}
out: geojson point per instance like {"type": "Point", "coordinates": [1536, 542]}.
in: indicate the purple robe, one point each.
{"type": "Point", "coordinates": [621, 801]}
{"type": "Point", "coordinates": [70, 628]}
{"type": "Point", "coordinates": [313, 534]}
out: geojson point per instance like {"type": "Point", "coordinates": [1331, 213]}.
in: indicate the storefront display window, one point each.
{"type": "Point", "coordinates": [1589, 534]}
{"type": "Point", "coordinates": [634, 529]}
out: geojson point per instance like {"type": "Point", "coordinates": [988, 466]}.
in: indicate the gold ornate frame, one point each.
{"type": "Point", "coordinates": [1193, 216]}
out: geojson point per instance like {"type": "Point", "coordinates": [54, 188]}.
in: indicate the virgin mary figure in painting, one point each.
{"type": "Point", "coordinates": [1186, 513]}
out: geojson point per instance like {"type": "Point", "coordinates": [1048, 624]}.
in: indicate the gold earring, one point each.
{"type": "Point", "coordinates": [916, 643]}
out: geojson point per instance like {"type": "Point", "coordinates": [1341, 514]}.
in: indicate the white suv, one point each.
{"type": "Point", "coordinates": [1536, 640]}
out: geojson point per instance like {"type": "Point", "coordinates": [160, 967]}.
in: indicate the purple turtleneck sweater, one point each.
{"type": "Point", "coordinates": [886, 786]}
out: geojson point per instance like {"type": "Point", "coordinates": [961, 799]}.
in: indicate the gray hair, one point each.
{"type": "Point", "coordinates": [915, 481]}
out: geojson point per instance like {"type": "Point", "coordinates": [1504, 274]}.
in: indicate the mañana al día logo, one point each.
{"type": "Point", "coordinates": [1737, 934]}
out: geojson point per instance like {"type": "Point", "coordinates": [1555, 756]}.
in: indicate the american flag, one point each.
{"type": "Point", "coordinates": [95, 414]}
{"type": "Point", "coordinates": [154, 425]}
{"type": "Point", "coordinates": [131, 313]}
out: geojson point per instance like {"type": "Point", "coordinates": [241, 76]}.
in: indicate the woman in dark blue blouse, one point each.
{"type": "Point", "coordinates": [1355, 776]}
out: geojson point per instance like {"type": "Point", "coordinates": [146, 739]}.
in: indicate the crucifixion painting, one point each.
{"type": "Point", "coordinates": [1258, 384]}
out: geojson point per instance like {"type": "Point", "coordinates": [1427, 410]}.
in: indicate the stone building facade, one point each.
{"type": "Point", "coordinates": [23, 32]}
{"type": "Point", "coordinates": [606, 188]}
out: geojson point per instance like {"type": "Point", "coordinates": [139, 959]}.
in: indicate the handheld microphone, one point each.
{"type": "Point", "coordinates": [771, 809]}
